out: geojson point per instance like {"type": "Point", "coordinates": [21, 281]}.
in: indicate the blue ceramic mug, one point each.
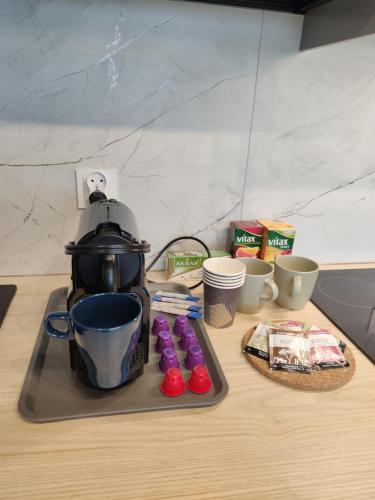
{"type": "Point", "coordinates": [106, 327]}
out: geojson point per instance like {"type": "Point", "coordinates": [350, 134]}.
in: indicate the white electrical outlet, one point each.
{"type": "Point", "coordinates": [93, 179]}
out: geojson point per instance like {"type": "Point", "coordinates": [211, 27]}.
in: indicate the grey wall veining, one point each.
{"type": "Point", "coordinates": [312, 155]}
{"type": "Point", "coordinates": [209, 113]}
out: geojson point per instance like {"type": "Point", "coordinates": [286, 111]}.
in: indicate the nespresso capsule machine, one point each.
{"type": "Point", "coordinates": [108, 256]}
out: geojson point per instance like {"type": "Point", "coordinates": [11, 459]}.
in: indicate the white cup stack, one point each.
{"type": "Point", "coordinates": [223, 272]}
{"type": "Point", "coordinates": [223, 279]}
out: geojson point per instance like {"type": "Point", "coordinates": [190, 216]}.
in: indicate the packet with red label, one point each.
{"type": "Point", "coordinates": [325, 351]}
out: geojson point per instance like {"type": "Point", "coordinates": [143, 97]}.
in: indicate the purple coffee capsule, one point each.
{"type": "Point", "coordinates": [160, 324]}
{"type": "Point", "coordinates": [194, 357]}
{"type": "Point", "coordinates": [180, 324]}
{"type": "Point", "coordinates": [188, 338]}
{"type": "Point", "coordinates": [168, 360]}
{"type": "Point", "coordinates": [164, 340]}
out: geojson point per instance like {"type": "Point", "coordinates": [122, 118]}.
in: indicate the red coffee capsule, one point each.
{"type": "Point", "coordinates": [200, 381]}
{"type": "Point", "coordinates": [173, 384]}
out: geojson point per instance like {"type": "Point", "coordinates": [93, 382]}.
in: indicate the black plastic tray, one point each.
{"type": "Point", "coordinates": [52, 391]}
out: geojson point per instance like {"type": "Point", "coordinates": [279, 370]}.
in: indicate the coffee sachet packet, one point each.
{"type": "Point", "coordinates": [289, 351]}
{"type": "Point", "coordinates": [258, 342]}
{"type": "Point", "coordinates": [325, 351]}
{"type": "Point", "coordinates": [339, 342]}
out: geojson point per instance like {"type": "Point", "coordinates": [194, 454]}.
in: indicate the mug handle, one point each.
{"type": "Point", "coordinates": [54, 332]}
{"type": "Point", "coordinates": [296, 286]}
{"type": "Point", "coordinates": [274, 291]}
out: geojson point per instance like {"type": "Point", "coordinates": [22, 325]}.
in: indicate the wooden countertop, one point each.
{"type": "Point", "coordinates": [263, 441]}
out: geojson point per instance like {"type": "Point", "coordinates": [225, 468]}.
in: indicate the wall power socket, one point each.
{"type": "Point", "coordinates": [93, 179]}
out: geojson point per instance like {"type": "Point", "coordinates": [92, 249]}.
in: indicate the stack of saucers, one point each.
{"type": "Point", "coordinates": [223, 278]}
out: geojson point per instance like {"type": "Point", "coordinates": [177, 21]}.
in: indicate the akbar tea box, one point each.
{"type": "Point", "coordinates": [188, 264]}
{"type": "Point", "coordinates": [278, 239]}
{"type": "Point", "coordinates": [245, 238]}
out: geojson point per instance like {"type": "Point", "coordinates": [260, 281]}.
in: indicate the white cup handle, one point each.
{"type": "Point", "coordinates": [274, 291]}
{"type": "Point", "coordinates": [296, 286]}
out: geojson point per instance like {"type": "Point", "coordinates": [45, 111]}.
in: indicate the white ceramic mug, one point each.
{"type": "Point", "coordinates": [296, 278]}
{"type": "Point", "coordinates": [259, 286]}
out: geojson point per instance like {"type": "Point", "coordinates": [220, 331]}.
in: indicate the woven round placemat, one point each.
{"type": "Point", "coordinates": [323, 380]}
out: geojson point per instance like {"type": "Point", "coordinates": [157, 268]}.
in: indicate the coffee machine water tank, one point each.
{"type": "Point", "coordinates": [107, 255]}
{"type": "Point", "coordinates": [104, 211]}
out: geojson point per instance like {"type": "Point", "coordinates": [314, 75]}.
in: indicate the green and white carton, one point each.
{"type": "Point", "coordinates": [188, 265]}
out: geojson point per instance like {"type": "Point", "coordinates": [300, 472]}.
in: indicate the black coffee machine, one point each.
{"type": "Point", "coordinates": [109, 257]}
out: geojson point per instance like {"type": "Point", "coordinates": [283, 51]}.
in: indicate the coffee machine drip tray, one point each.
{"type": "Point", "coordinates": [347, 298]}
{"type": "Point", "coordinates": [53, 391]}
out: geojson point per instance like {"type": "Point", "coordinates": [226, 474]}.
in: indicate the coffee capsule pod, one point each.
{"type": "Point", "coordinates": [188, 338]}
{"type": "Point", "coordinates": [179, 325]}
{"type": "Point", "coordinates": [164, 340]}
{"type": "Point", "coordinates": [173, 384]}
{"type": "Point", "coordinates": [168, 360]}
{"type": "Point", "coordinates": [160, 324]}
{"type": "Point", "coordinates": [194, 357]}
{"type": "Point", "coordinates": [199, 381]}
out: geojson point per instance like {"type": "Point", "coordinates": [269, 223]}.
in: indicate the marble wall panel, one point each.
{"type": "Point", "coordinates": [160, 90]}
{"type": "Point", "coordinates": [311, 155]}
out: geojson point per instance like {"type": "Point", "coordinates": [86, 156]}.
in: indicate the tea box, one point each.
{"type": "Point", "coordinates": [245, 238]}
{"type": "Point", "coordinates": [278, 239]}
{"type": "Point", "coordinates": [189, 264]}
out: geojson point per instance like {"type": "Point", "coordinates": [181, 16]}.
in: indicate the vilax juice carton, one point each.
{"type": "Point", "coordinates": [245, 238]}
{"type": "Point", "coordinates": [278, 239]}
